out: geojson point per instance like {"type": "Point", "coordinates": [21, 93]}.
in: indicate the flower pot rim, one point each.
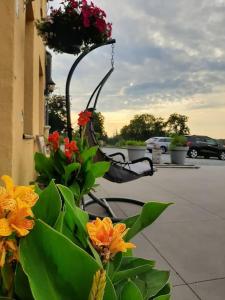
{"type": "Point", "coordinates": [134, 147]}
{"type": "Point", "coordinates": [180, 148]}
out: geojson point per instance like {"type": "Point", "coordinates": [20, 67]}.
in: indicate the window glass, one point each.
{"type": "Point", "coordinates": [211, 142]}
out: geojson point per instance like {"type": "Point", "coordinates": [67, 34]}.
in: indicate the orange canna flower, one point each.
{"type": "Point", "coordinates": [15, 208]}
{"type": "Point", "coordinates": [8, 251]}
{"type": "Point", "coordinates": [108, 239]}
{"type": "Point", "coordinates": [54, 140]}
{"type": "Point", "coordinates": [20, 221]}
{"type": "Point", "coordinates": [11, 193]}
{"type": "Point", "coordinates": [84, 117]}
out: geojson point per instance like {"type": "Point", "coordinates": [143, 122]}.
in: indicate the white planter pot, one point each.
{"type": "Point", "coordinates": [136, 152]}
{"type": "Point", "coordinates": [178, 155]}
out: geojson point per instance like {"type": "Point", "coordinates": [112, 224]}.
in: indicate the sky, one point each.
{"type": "Point", "coordinates": [169, 57]}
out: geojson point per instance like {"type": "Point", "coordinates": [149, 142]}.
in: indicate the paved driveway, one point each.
{"type": "Point", "coordinates": [189, 238]}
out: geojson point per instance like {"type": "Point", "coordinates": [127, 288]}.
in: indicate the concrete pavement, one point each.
{"type": "Point", "coordinates": [189, 238]}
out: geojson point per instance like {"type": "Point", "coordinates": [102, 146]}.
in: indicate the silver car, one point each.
{"type": "Point", "coordinates": [162, 142]}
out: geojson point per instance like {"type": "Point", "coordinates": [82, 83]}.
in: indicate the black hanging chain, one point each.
{"type": "Point", "coordinates": [113, 54]}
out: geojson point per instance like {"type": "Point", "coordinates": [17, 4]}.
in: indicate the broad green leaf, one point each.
{"type": "Point", "coordinates": [56, 268]}
{"type": "Point", "coordinates": [44, 165]}
{"type": "Point", "coordinates": [88, 182]}
{"type": "Point", "coordinates": [60, 162]}
{"type": "Point", "coordinates": [100, 168]}
{"type": "Point", "coordinates": [89, 153]}
{"type": "Point", "coordinates": [60, 221]}
{"type": "Point", "coordinates": [68, 197]}
{"type": "Point", "coordinates": [95, 253]}
{"type": "Point", "coordinates": [75, 189]}
{"type": "Point", "coordinates": [129, 273]}
{"type": "Point", "coordinates": [66, 194]}
{"type": "Point", "coordinates": [69, 169]}
{"type": "Point", "coordinates": [37, 189]}
{"type": "Point", "coordinates": [48, 206]}
{"type": "Point", "coordinates": [129, 262]}
{"type": "Point", "coordinates": [75, 219]}
{"type": "Point", "coordinates": [163, 297]}
{"type": "Point", "coordinates": [22, 287]}
{"type": "Point", "coordinates": [130, 291]}
{"type": "Point", "coordinates": [114, 264]}
{"type": "Point", "coordinates": [149, 213]}
{"type": "Point", "coordinates": [165, 291]}
{"type": "Point", "coordinates": [151, 282]}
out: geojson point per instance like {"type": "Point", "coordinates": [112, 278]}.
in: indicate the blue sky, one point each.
{"type": "Point", "coordinates": [169, 57]}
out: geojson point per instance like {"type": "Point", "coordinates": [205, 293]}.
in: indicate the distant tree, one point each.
{"type": "Point", "coordinates": [142, 127]}
{"type": "Point", "coordinates": [56, 105]}
{"type": "Point", "coordinates": [98, 123]}
{"type": "Point", "coordinates": [176, 123]}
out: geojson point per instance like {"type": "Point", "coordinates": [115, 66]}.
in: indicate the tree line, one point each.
{"type": "Point", "coordinates": [144, 126]}
{"type": "Point", "coordinates": [141, 127]}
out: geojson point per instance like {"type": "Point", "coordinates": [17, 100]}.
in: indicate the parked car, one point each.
{"type": "Point", "coordinates": [204, 146]}
{"type": "Point", "coordinates": [162, 141]}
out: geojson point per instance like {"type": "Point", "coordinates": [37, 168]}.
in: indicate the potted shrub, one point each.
{"type": "Point", "coordinates": [136, 149]}
{"type": "Point", "coordinates": [178, 149]}
{"type": "Point", "coordinates": [74, 26]}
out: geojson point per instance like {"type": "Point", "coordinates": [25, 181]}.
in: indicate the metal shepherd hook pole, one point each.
{"type": "Point", "coordinates": [69, 77]}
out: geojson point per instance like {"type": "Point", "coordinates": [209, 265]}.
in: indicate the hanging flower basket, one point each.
{"type": "Point", "coordinates": [74, 26]}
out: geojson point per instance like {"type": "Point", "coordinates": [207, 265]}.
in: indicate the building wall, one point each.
{"type": "Point", "coordinates": [22, 81]}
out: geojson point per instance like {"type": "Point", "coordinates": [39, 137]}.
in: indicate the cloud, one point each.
{"type": "Point", "coordinates": [166, 51]}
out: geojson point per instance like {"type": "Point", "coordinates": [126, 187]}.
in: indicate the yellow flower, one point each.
{"type": "Point", "coordinates": [26, 194]}
{"type": "Point", "coordinates": [108, 239]}
{"type": "Point", "coordinates": [19, 221]}
{"type": "Point", "coordinates": [15, 208]}
{"type": "Point", "coordinates": [9, 250]}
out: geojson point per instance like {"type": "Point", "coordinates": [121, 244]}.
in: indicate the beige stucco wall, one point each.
{"type": "Point", "coordinates": [22, 81]}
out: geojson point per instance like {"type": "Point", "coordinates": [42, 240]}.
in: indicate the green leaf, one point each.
{"type": "Point", "coordinates": [75, 219]}
{"type": "Point", "coordinates": [114, 264]}
{"type": "Point", "coordinates": [129, 273]}
{"type": "Point", "coordinates": [44, 165]}
{"type": "Point", "coordinates": [75, 189]}
{"type": "Point", "coordinates": [89, 153]}
{"type": "Point", "coordinates": [69, 169]}
{"type": "Point", "coordinates": [60, 221]}
{"type": "Point", "coordinates": [56, 268]}
{"type": "Point", "coordinates": [163, 297]}
{"type": "Point", "coordinates": [149, 213]}
{"type": "Point", "coordinates": [48, 206]}
{"type": "Point", "coordinates": [151, 282]}
{"type": "Point", "coordinates": [22, 287]}
{"type": "Point", "coordinates": [129, 262]}
{"type": "Point", "coordinates": [165, 291]}
{"type": "Point", "coordinates": [100, 168]}
{"type": "Point", "coordinates": [95, 253]}
{"type": "Point", "coordinates": [130, 291]}
{"type": "Point", "coordinates": [88, 182]}
{"type": "Point", "coordinates": [37, 189]}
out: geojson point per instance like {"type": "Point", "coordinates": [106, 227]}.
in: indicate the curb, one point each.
{"type": "Point", "coordinates": [173, 166]}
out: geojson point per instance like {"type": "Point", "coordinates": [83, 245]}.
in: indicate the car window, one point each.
{"type": "Point", "coordinates": [211, 142]}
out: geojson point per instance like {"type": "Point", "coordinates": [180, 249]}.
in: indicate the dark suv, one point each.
{"type": "Point", "coordinates": [204, 146]}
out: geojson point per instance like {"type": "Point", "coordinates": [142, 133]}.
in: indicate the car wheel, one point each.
{"type": "Point", "coordinates": [222, 155]}
{"type": "Point", "coordinates": [193, 153]}
{"type": "Point", "coordinates": [163, 148]}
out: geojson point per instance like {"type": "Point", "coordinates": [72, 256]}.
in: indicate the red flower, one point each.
{"type": "Point", "coordinates": [100, 24]}
{"type": "Point", "coordinates": [84, 117]}
{"type": "Point", "coordinates": [70, 148]}
{"type": "Point", "coordinates": [54, 140]}
{"type": "Point", "coordinates": [74, 4]}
